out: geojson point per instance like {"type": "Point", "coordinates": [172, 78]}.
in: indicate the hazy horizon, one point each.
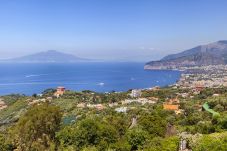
{"type": "Point", "coordinates": [127, 30]}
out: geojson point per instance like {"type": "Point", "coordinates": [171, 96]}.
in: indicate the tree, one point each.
{"type": "Point", "coordinates": [121, 145]}
{"type": "Point", "coordinates": [36, 129]}
{"type": "Point", "coordinates": [162, 144]}
{"type": "Point", "coordinates": [92, 148]}
{"type": "Point", "coordinates": [154, 124]}
{"type": "Point", "coordinates": [120, 122]}
{"type": "Point", "coordinates": [4, 145]}
{"type": "Point", "coordinates": [219, 108]}
{"type": "Point", "coordinates": [88, 132]}
{"type": "Point", "coordinates": [214, 142]}
{"type": "Point", "coordinates": [34, 95]}
{"type": "Point", "coordinates": [223, 122]}
{"type": "Point", "coordinates": [137, 138]}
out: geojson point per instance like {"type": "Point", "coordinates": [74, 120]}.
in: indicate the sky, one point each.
{"type": "Point", "coordinates": [121, 30]}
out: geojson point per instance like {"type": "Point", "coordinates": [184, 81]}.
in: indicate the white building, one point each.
{"type": "Point", "coordinates": [136, 93]}
{"type": "Point", "coordinates": [121, 109]}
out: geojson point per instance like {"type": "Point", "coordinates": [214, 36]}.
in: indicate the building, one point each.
{"type": "Point", "coordinates": [99, 107]}
{"type": "Point", "coordinates": [155, 88]}
{"type": "Point", "coordinates": [180, 111]}
{"type": "Point", "coordinates": [121, 109]}
{"type": "Point", "coordinates": [173, 101]}
{"type": "Point", "coordinates": [96, 106]}
{"type": "Point", "coordinates": [136, 93]}
{"type": "Point", "coordinates": [216, 95]}
{"type": "Point", "coordinates": [60, 91]}
{"type": "Point", "coordinates": [199, 88]}
{"type": "Point", "coordinates": [2, 104]}
{"type": "Point", "coordinates": [142, 101]}
{"type": "Point", "coordinates": [173, 104]}
{"type": "Point", "coordinates": [170, 107]}
{"type": "Point", "coordinates": [113, 104]}
{"type": "Point", "coordinates": [81, 105]}
{"type": "Point", "coordinates": [38, 101]}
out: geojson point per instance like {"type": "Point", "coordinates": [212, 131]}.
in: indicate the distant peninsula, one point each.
{"type": "Point", "coordinates": [203, 55]}
{"type": "Point", "coordinates": [50, 56]}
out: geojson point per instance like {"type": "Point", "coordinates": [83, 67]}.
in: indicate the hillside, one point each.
{"type": "Point", "coordinates": [103, 121]}
{"type": "Point", "coordinates": [47, 56]}
{"type": "Point", "coordinates": [210, 54]}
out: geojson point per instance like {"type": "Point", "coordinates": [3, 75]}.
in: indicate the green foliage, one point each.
{"type": "Point", "coordinates": [120, 122]}
{"type": "Point", "coordinates": [88, 132]}
{"type": "Point", "coordinates": [12, 98]}
{"type": "Point", "coordinates": [4, 145]}
{"type": "Point", "coordinates": [162, 144]}
{"type": "Point", "coordinates": [121, 145]}
{"type": "Point", "coordinates": [162, 93]}
{"type": "Point", "coordinates": [223, 122]}
{"type": "Point", "coordinates": [92, 148]}
{"type": "Point", "coordinates": [205, 127]}
{"type": "Point", "coordinates": [98, 130]}
{"type": "Point", "coordinates": [36, 129]}
{"type": "Point", "coordinates": [13, 112]}
{"type": "Point", "coordinates": [154, 124]}
{"type": "Point", "coordinates": [214, 142]}
{"type": "Point", "coordinates": [218, 103]}
{"type": "Point", "coordinates": [137, 137]}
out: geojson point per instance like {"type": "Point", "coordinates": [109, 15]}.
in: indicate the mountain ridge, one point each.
{"type": "Point", "coordinates": [211, 54]}
{"type": "Point", "coordinates": [53, 56]}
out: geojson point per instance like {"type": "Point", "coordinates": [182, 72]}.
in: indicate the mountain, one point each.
{"type": "Point", "coordinates": [47, 56]}
{"type": "Point", "coordinates": [203, 55]}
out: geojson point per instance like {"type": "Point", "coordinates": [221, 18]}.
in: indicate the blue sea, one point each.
{"type": "Point", "coordinates": [100, 77]}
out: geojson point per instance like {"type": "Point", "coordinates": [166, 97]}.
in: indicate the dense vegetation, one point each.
{"type": "Point", "coordinates": [60, 124]}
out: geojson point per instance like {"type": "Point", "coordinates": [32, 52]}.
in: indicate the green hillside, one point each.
{"type": "Point", "coordinates": [94, 121]}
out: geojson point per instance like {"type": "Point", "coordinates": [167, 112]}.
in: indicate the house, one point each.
{"type": "Point", "coordinates": [170, 107]}
{"type": "Point", "coordinates": [97, 106]}
{"type": "Point", "coordinates": [38, 101]}
{"type": "Point", "coordinates": [60, 91]}
{"type": "Point", "coordinates": [49, 99]}
{"type": "Point", "coordinates": [155, 88]}
{"type": "Point", "coordinates": [40, 95]}
{"type": "Point", "coordinates": [173, 104]}
{"type": "Point", "coordinates": [121, 109]}
{"type": "Point", "coordinates": [139, 100]}
{"type": "Point", "coordinates": [136, 93]}
{"type": "Point", "coordinates": [113, 104]}
{"type": "Point", "coordinates": [2, 104]}
{"type": "Point", "coordinates": [81, 105]}
{"type": "Point", "coordinates": [173, 101]}
{"type": "Point", "coordinates": [183, 95]}
{"type": "Point", "coordinates": [199, 88]}
{"type": "Point", "coordinates": [154, 99]}
{"type": "Point", "coordinates": [216, 95]}
{"type": "Point", "coordinates": [179, 111]}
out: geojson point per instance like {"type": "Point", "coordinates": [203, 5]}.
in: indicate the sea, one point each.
{"type": "Point", "coordinates": [28, 79]}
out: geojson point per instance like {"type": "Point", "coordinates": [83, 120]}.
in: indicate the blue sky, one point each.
{"type": "Point", "coordinates": [136, 30]}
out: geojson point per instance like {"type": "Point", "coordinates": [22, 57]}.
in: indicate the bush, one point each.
{"type": "Point", "coordinates": [137, 138]}
{"type": "Point", "coordinates": [36, 129]}
{"type": "Point", "coordinates": [87, 132]}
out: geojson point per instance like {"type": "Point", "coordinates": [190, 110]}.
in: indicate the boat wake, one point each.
{"type": "Point", "coordinates": [101, 84]}
{"type": "Point", "coordinates": [35, 75]}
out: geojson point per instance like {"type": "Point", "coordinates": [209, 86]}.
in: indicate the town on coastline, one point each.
{"type": "Point", "coordinates": [184, 114]}
{"type": "Point", "coordinates": [203, 76]}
